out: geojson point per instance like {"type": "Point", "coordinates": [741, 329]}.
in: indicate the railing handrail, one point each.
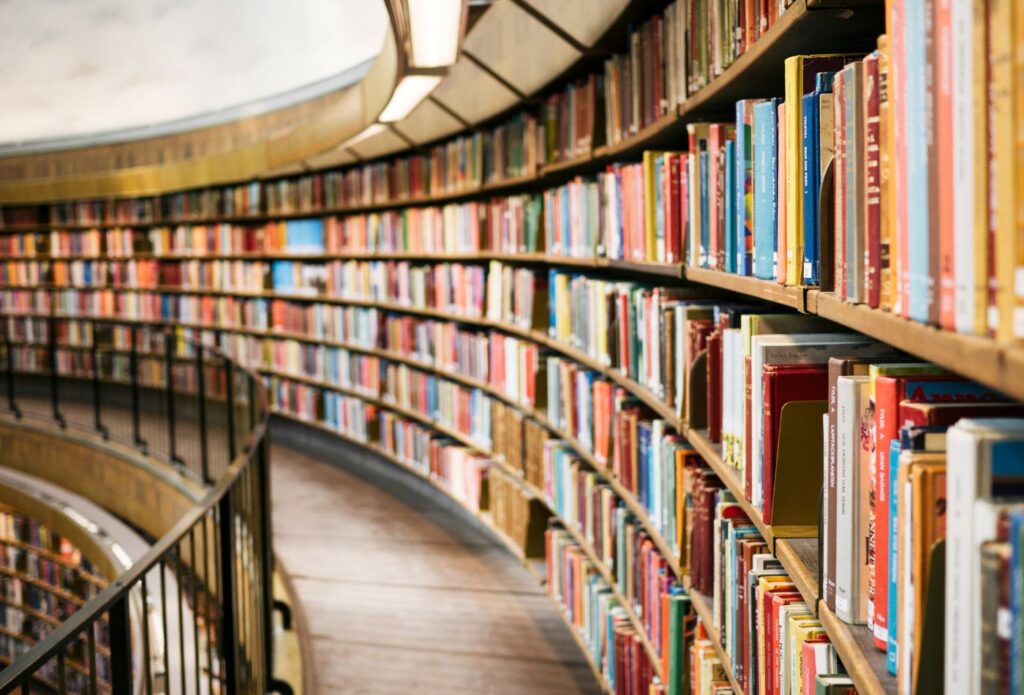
{"type": "Point", "coordinates": [55, 643]}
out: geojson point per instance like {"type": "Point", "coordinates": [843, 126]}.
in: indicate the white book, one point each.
{"type": "Point", "coordinates": [727, 395]}
{"type": "Point", "coordinates": [970, 461]}
{"type": "Point", "coordinates": [851, 500]}
{"type": "Point", "coordinates": [963, 164]}
{"type": "Point", "coordinates": [800, 348]}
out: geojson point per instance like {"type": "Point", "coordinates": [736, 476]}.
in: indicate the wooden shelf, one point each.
{"type": "Point", "coordinates": [766, 290]}
{"type": "Point", "coordinates": [982, 359]}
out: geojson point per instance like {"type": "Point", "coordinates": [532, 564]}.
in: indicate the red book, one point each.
{"type": "Point", "coordinates": [773, 600]}
{"type": "Point", "coordinates": [784, 383]}
{"type": "Point", "coordinates": [872, 183]}
{"type": "Point", "coordinates": [714, 386]}
{"type": "Point", "coordinates": [673, 209]}
{"type": "Point", "coordinates": [924, 414]}
{"type": "Point", "coordinates": [811, 649]}
{"type": "Point", "coordinates": [887, 395]}
{"type": "Point", "coordinates": [839, 148]}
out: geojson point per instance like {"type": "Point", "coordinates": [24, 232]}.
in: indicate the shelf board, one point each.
{"type": "Point", "coordinates": [766, 290]}
{"type": "Point", "coordinates": [800, 558]}
{"type": "Point", "coordinates": [978, 358]}
{"type": "Point", "coordinates": [865, 664]}
{"type": "Point", "coordinates": [802, 29]}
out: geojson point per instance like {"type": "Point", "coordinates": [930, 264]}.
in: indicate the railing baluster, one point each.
{"type": "Point", "coordinates": [133, 367]}
{"type": "Point", "coordinates": [96, 406]}
{"type": "Point", "coordinates": [120, 645]}
{"type": "Point", "coordinates": [204, 454]}
{"type": "Point", "coordinates": [226, 530]}
{"type": "Point", "coordinates": [172, 439]}
{"type": "Point", "coordinates": [195, 603]}
{"type": "Point", "coordinates": [11, 401]}
{"type": "Point", "coordinates": [230, 396]}
{"type": "Point", "coordinates": [54, 390]}
{"type": "Point", "coordinates": [147, 655]}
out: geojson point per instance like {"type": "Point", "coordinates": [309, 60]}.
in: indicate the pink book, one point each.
{"type": "Point", "coordinates": [780, 256]}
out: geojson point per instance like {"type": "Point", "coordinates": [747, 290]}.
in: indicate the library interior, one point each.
{"type": "Point", "coordinates": [446, 346]}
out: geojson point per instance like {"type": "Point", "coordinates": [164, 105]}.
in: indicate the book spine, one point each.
{"type": "Point", "coordinates": [792, 154]}
{"type": "Point", "coordinates": [839, 146]}
{"type": "Point", "coordinates": [918, 95]}
{"type": "Point", "coordinates": [728, 262]}
{"type": "Point", "coordinates": [885, 403]}
{"type": "Point", "coordinates": [1003, 130]}
{"type": "Point", "coordinates": [894, 589]}
{"type": "Point", "coordinates": [896, 32]}
{"type": "Point", "coordinates": [872, 184]}
{"type": "Point", "coordinates": [846, 425]}
{"type": "Point", "coordinates": [764, 189]}
{"type": "Point", "coordinates": [855, 169]}
{"type": "Point", "coordinates": [810, 187]}
{"type": "Point", "coordinates": [885, 175]}
{"type": "Point", "coordinates": [945, 157]}
{"type": "Point", "coordinates": [781, 197]}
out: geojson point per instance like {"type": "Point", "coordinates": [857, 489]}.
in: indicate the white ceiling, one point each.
{"type": "Point", "coordinates": [80, 67]}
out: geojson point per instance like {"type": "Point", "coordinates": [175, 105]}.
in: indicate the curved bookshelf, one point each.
{"type": "Point", "coordinates": [802, 28]}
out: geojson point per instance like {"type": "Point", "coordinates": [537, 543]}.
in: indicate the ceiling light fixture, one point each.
{"type": "Point", "coordinates": [434, 26]}
{"type": "Point", "coordinates": [407, 95]}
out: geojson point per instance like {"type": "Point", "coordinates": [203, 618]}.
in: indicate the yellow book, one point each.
{"type": "Point", "coordinates": [650, 205]}
{"type": "Point", "coordinates": [800, 74]}
{"type": "Point", "coordinates": [1004, 165]}
{"type": "Point", "coordinates": [1017, 320]}
{"type": "Point", "coordinates": [800, 632]}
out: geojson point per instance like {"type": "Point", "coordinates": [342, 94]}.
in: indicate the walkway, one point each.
{"type": "Point", "coordinates": [401, 592]}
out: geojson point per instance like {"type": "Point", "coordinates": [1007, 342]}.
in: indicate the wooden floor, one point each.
{"type": "Point", "coordinates": [402, 593]}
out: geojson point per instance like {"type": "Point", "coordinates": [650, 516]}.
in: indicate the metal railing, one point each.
{"type": "Point", "coordinates": [194, 613]}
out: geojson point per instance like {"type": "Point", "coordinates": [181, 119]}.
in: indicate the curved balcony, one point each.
{"type": "Point", "coordinates": [170, 436]}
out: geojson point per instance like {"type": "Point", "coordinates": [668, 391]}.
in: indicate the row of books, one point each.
{"type": "Point", "coordinates": [770, 635]}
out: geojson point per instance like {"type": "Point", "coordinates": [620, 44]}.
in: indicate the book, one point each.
{"type": "Point", "coordinates": [800, 75]}
{"type": "Point", "coordinates": [984, 463]}
{"type": "Point", "coordinates": [765, 188]}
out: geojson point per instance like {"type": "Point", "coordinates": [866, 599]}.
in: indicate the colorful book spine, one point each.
{"type": "Point", "coordinates": [765, 126]}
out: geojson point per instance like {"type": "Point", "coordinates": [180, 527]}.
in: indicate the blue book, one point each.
{"type": "Point", "coordinates": [894, 586]}
{"type": "Point", "coordinates": [281, 275]}
{"type": "Point", "coordinates": [304, 236]}
{"type": "Point", "coordinates": [552, 304]}
{"type": "Point", "coordinates": [765, 187]}
{"type": "Point", "coordinates": [644, 463]}
{"type": "Point", "coordinates": [730, 207]}
{"type": "Point", "coordinates": [811, 186]}
{"type": "Point", "coordinates": [917, 103]}
{"type": "Point", "coordinates": [705, 223]}
{"type": "Point", "coordinates": [1016, 600]}
{"type": "Point", "coordinates": [744, 185]}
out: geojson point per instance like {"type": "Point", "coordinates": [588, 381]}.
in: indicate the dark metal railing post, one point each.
{"type": "Point", "coordinates": [133, 367]}
{"type": "Point", "coordinates": [230, 396]}
{"type": "Point", "coordinates": [96, 405]}
{"type": "Point", "coordinates": [204, 454]}
{"type": "Point", "coordinates": [54, 391]}
{"type": "Point", "coordinates": [172, 435]}
{"type": "Point", "coordinates": [252, 402]}
{"type": "Point", "coordinates": [11, 402]}
{"type": "Point", "coordinates": [229, 613]}
{"type": "Point", "coordinates": [120, 645]}
{"type": "Point", "coordinates": [262, 463]}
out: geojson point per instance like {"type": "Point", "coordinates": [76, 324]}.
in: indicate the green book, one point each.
{"type": "Point", "coordinates": [679, 652]}
{"type": "Point", "coordinates": [834, 684]}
